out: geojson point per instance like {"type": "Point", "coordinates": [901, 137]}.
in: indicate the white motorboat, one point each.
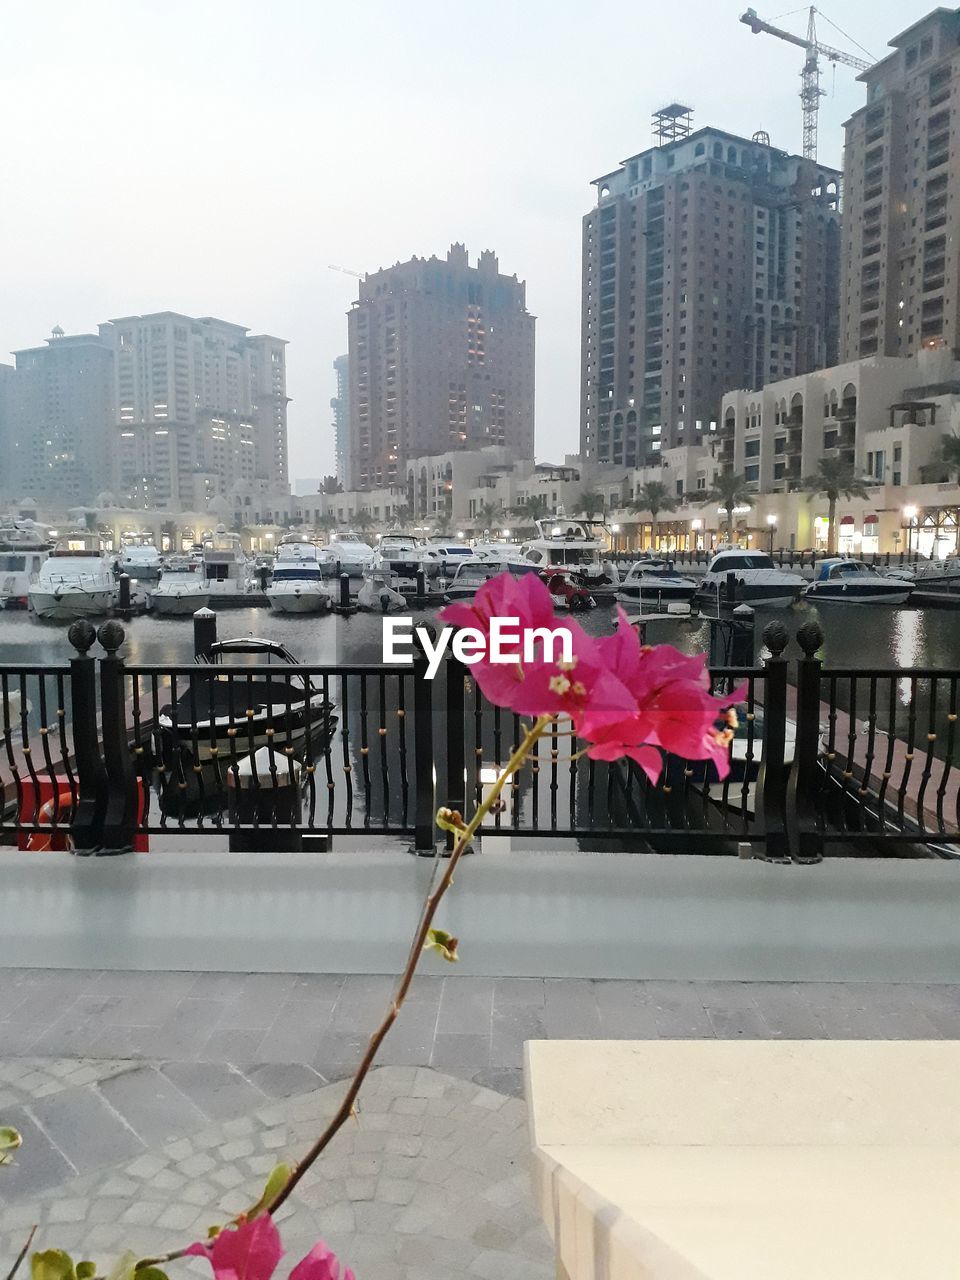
{"type": "Point", "coordinates": [572, 546]}
{"type": "Point", "coordinates": [140, 560]}
{"type": "Point", "coordinates": [297, 585]}
{"type": "Point", "coordinates": [75, 581]}
{"type": "Point", "coordinates": [470, 576]}
{"type": "Point", "coordinates": [226, 569]}
{"type": "Point", "coordinates": [379, 593]}
{"type": "Point", "coordinates": [349, 552]}
{"type": "Point", "coordinates": [450, 554]}
{"type": "Point", "coordinates": [405, 556]}
{"type": "Point", "coordinates": [757, 579]}
{"type": "Point", "coordinates": [841, 581]}
{"type": "Point", "coordinates": [656, 582]}
{"type": "Point", "coordinates": [505, 554]}
{"type": "Point", "coordinates": [181, 590]}
{"type": "Point", "coordinates": [23, 549]}
{"type": "Point", "coordinates": [934, 583]}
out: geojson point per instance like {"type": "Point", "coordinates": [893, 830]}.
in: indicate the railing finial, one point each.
{"type": "Point", "coordinates": [775, 637]}
{"type": "Point", "coordinates": [810, 637]}
{"type": "Point", "coordinates": [82, 634]}
{"type": "Point", "coordinates": [111, 636]}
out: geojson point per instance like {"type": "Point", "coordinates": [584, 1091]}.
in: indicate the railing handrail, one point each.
{"type": "Point", "coordinates": [282, 668]}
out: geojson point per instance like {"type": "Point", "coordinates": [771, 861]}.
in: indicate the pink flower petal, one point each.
{"type": "Point", "coordinates": [321, 1263]}
{"type": "Point", "coordinates": [249, 1251]}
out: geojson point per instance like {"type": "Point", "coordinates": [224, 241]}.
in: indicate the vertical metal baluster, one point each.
{"type": "Point", "coordinates": [328, 741]}
{"type": "Point", "coordinates": [573, 774]}
{"type": "Point", "coordinates": [365, 751]}
{"type": "Point", "coordinates": [27, 752]}
{"type": "Point", "coordinates": [233, 735]}
{"type": "Point", "coordinates": [159, 766]}
{"type": "Point", "coordinates": [218, 780]}
{"type": "Point", "coordinates": [931, 742]}
{"type": "Point", "coordinates": [851, 746]}
{"type": "Point", "coordinates": [345, 746]}
{"type": "Point", "coordinates": [497, 756]}
{"type": "Point", "coordinates": [866, 816]}
{"type": "Point", "coordinates": [948, 759]}
{"type": "Point", "coordinates": [402, 723]}
{"type": "Point", "coordinates": [830, 782]}
{"type": "Point", "coordinates": [382, 734]}
{"type": "Point", "coordinates": [908, 758]}
{"type": "Point", "coordinates": [554, 774]}
{"type": "Point", "coordinates": [178, 769]}
{"type": "Point", "coordinates": [44, 731]}
{"type": "Point", "coordinates": [250, 711]}
{"type": "Point", "coordinates": [8, 749]}
{"type": "Point", "coordinates": [197, 765]}
{"type": "Point", "coordinates": [64, 748]}
{"type": "Point", "coordinates": [891, 744]}
{"type": "Point", "coordinates": [514, 784]}
{"type": "Point", "coordinates": [534, 759]}
{"type": "Point", "coordinates": [477, 762]}
{"type": "Point", "coordinates": [309, 763]}
{"type": "Point", "coordinates": [749, 756]}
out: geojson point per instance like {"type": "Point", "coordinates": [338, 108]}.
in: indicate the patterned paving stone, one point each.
{"type": "Point", "coordinates": [391, 1199]}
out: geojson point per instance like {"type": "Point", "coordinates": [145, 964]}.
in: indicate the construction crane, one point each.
{"type": "Point", "coordinates": [810, 91]}
{"type": "Point", "coordinates": [345, 271]}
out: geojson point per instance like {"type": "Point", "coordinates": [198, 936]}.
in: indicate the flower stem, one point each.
{"type": "Point", "coordinates": [434, 896]}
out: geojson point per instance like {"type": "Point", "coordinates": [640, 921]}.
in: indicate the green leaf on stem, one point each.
{"type": "Point", "coordinates": [279, 1177]}
{"type": "Point", "coordinates": [442, 942]}
{"type": "Point", "coordinates": [52, 1264]}
{"type": "Point", "coordinates": [9, 1141]}
{"type": "Point", "coordinates": [86, 1270]}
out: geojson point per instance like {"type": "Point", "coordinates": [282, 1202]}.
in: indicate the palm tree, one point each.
{"type": "Point", "coordinates": [487, 514]}
{"type": "Point", "coordinates": [589, 504]}
{"type": "Point", "coordinates": [326, 524]}
{"type": "Point", "coordinates": [531, 509]}
{"type": "Point", "coordinates": [654, 496]}
{"type": "Point", "coordinates": [442, 522]}
{"type": "Point", "coordinates": [950, 454]}
{"type": "Point", "coordinates": [364, 520]}
{"type": "Point", "coordinates": [834, 477]}
{"type": "Point", "coordinates": [729, 491]}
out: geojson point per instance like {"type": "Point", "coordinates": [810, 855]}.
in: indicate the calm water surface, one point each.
{"type": "Point", "coordinates": [856, 635]}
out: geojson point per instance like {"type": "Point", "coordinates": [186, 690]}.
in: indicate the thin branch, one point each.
{"type": "Point", "coordinates": [433, 900]}
{"type": "Point", "coordinates": [23, 1253]}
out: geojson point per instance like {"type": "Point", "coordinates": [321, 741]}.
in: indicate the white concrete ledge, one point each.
{"type": "Point", "coordinates": [535, 914]}
{"type": "Point", "coordinates": [747, 1160]}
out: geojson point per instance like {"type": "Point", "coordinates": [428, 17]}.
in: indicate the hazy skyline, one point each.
{"type": "Point", "coordinates": [214, 158]}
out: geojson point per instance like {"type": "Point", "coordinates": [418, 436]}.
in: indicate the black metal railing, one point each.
{"type": "Point", "coordinates": [102, 757]}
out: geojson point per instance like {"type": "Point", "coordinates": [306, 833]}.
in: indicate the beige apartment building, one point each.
{"type": "Point", "coordinates": [710, 261]}
{"type": "Point", "coordinates": [201, 410]}
{"type": "Point", "coordinates": [901, 252]}
{"type": "Point", "coordinates": [441, 358]}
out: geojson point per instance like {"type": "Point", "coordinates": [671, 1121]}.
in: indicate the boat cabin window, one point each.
{"type": "Point", "coordinates": [12, 564]}
{"type": "Point", "coordinates": [749, 560]}
{"type": "Point", "coordinates": [847, 569]}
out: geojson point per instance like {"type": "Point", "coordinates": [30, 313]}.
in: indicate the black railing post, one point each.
{"type": "Point", "coordinates": [772, 778]}
{"type": "Point", "coordinates": [424, 771]}
{"type": "Point", "coordinates": [87, 827]}
{"type": "Point", "coordinates": [802, 810]}
{"type": "Point", "coordinates": [120, 818]}
{"type": "Point", "coordinates": [204, 633]}
{"type": "Point", "coordinates": [456, 797]}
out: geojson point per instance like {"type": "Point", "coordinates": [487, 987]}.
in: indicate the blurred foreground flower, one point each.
{"type": "Point", "coordinates": [251, 1251]}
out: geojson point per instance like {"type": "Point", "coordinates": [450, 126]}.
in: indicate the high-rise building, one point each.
{"type": "Point", "coordinates": [340, 404]}
{"type": "Point", "coordinates": [6, 387]}
{"type": "Point", "coordinates": [60, 420]}
{"type": "Point", "coordinates": [709, 262]}
{"type": "Point", "coordinates": [201, 410]}
{"type": "Point", "coordinates": [901, 254]}
{"type": "Point", "coordinates": [441, 358]}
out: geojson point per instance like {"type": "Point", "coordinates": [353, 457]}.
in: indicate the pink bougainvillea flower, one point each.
{"type": "Point", "coordinates": [548, 684]}
{"type": "Point", "coordinates": [670, 707]}
{"type": "Point", "coordinates": [249, 1251]}
{"type": "Point", "coordinates": [320, 1264]}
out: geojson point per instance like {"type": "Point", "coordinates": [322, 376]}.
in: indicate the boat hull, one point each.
{"type": "Point", "coordinates": [772, 595]}
{"type": "Point", "coordinates": [65, 605]}
{"type": "Point", "coordinates": [859, 593]}
{"type": "Point", "coordinates": [653, 593]}
{"type": "Point", "coordinates": [301, 600]}
{"type": "Point", "coordinates": [180, 605]}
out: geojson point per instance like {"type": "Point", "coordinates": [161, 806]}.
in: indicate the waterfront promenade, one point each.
{"type": "Point", "coordinates": [153, 1104]}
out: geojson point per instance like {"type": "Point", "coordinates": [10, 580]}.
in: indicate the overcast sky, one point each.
{"type": "Point", "coordinates": [214, 156]}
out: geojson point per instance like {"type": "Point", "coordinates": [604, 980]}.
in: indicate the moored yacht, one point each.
{"type": "Point", "coordinates": [841, 581]}
{"type": "Point", "coordinates": [757, 579]}
{"type": "Point", "coordinates": [350, 552]}
{"type": "Point", "coordinates": [405, 556]}
{"type": "Point", "coordinates": [23, 549]}
{"type": "Point", "coordinates": [450, 553]}
{"type": "Point", "coordinates": [656, 582]}
{"type": "Point", "coordinates": [226, 569]}
{"type": "Point", "coordinates": [569, 545]}
{"type": "Point", "coordinates": [140, 560]}
{"type": "Point", "coordinates": [504, 554]}
{"type": "Point", "coordinates": [297, 585]}
{"type": "Point", "coordinates": [75, 581]}
{"type": "Point", "coordinates": [181, 590]}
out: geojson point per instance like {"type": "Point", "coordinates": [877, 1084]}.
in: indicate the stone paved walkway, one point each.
{"type": "Point", "coordinates": [152, 1104]}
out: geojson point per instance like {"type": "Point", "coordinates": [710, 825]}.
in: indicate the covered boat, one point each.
{"type": "Point", "coordinates": [757, 579]}
{"type": "Point", "coordinates": [181, 590]}
{"type": "Point", "coordinates": [570, 546]}
{"type": "Point", "coordinates": [655, 582]}
{"type": "Point", "coordinates": [297, 585]}
{"type": "Point", "coordinates": [852, 582]}
{"type": "Point", "coordinates": [349, 552]}
{"type": "Point", "coordinates": [76, 581]}
{"type": "Point", "coordinates": [226, 716]}
{"type": "Point", "coordinates": [23, 549]}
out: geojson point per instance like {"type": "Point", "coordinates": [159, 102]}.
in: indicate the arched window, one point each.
{"type": "Point", "coordinates": [731, 155]}
{"type": "Point", "coordinates": [699, 149]}
{"type": "Point", "coordinates": [718, 151]}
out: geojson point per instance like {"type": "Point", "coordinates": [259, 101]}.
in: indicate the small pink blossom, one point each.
{"type": "Point", "coordinates": [251, 1251]}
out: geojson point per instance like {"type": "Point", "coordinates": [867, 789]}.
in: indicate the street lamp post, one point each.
{"type": "Point", "coordinates": [695, 527]}
{"type": "Point", "coordinates": [771, 529]}
{"type": "Point", "coordinates": [910, 515]}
